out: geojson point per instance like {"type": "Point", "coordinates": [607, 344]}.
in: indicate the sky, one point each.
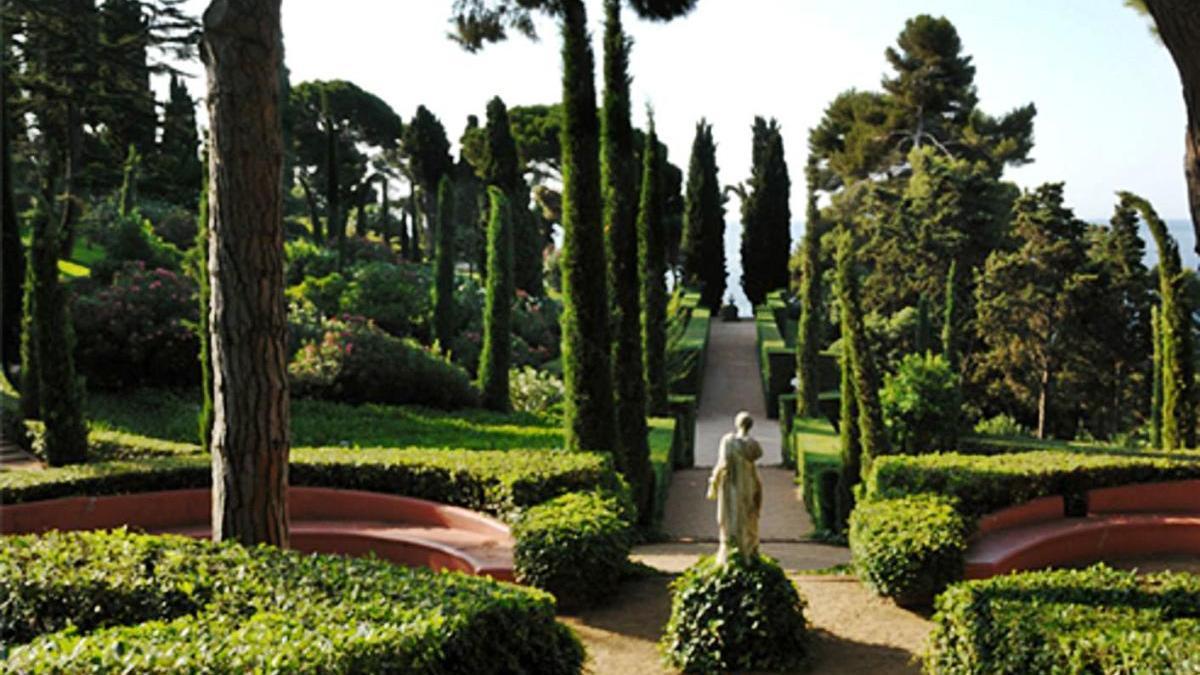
{"type": "Point", "coordinates": [1110, 110]}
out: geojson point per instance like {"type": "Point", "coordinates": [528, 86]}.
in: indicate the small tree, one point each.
{"type": "Point", "coordinates": [872, 433]}
{"type": "Point", "coordinates": [652, 252]}
{"type": "Point", "coordinates": [808, 333]}
{"type": "Point", "coordinates": [443, 289]}
{"type": "Point", "coordinates": [497, 313]}
{"type": "Point", "coordinates": [703, 245]}
{"type": "Point", "coordinates": [851, 445]}
{"type": "Point", "coordinates": [922, 405]}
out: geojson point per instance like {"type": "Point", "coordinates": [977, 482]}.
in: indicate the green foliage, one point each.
{"type": "Point", "coordinates": [766, 216]}
{"type": "Point", "coordinates": [534, 391]}
{"type": "Point", "coordinates": [910, 548]}
{"type": "Point", "coordinates": [1156, 380]}
{"type": "Point", "coordinates": [950, 337]}
{"type": "Point", "coordinates": [176, 166]}
{"type": "Point", "coordinates": [652, 264]}
{"type": "Point", "coordinates": [356, 362]}
{"type": "Point", "coordinates": [819, 469]}
{"type": "Point", "coordinates": [394, 296]}
{"type": "Point", "coordinates": [745, 615]}
{"type": "Point", "coordinates": [850, 442]}
{"type": "Point", "coordinates": [128, 238]}
{"type": "Point", "coordinates": [199, 271]}
{"type": "Point", "coordinates": [575, 546]}
{"type": "Point", "coordinates": [922, 405]}
{"type": "Point", "coordinates": [589, 416]}
{"type": "Point", "coordinates": [324, 294]}
{"type": "Point", "coordinates": [126, 602]}
{"type": "Point", "coordinates": [443, 287]}
{"type": "Point", "coordinates": [808, 333]}
{"type": "Point", "coordinates": [872, 434]}
{"type": "Point", "coordinates": [1094, 620]}
{"type": "Point", "coordinates": [497, 314]}
{"type": "Point", "coordinates": [703, 242]}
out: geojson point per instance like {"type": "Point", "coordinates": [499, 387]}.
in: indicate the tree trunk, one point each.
{"type": "Point", "coordinates": [1178, 24]}
{"type": "Point", "coordinates": [12, 267]}
{"type": "Point", "coordinates": [242, 48]}
{"type": "Point", "coordinates": [313, 213]}
{"type": "Point", "coordinates": [1045, 383]}
{"type": "Point", "coordinates": [334, 227]}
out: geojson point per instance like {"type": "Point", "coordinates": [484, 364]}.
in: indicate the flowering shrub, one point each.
{"type": "Point", "coordinates": [139, 330]}
{"type": "Point", "coordinates": [395, 296]}
{"type": "Point", "coordinates": [533, 391]}
{"type": "Point", "coordinates": [536, 322]}
{"type": "Point", "coordinates": [356, 362]}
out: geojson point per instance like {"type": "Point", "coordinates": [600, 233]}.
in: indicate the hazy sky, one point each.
{"type": "Point", "coordinates": [1110, 113]}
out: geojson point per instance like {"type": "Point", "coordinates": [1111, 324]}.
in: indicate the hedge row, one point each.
{"type": "Point", "coordinates": [818, 467]}
{"type": "Point", "coordinates": [908, 549]}
{"type": "Point", "coordinates": [1096, 620]}
{"type": "Point", "coordinates": [691, 350]}
{"type": "Point", "coordinates": [777, 361]}
{"type": "Point", "coordinates": [122, 602]}
{"type": "Point", "coordinates": [683, 408]}
{"type": "Point", "coordinates": [666, 442]}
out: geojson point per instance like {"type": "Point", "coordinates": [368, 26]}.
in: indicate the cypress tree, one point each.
{"type": "Point", "coordinates": [497, 312]}
{"type": "Point", "coordinates": [808, 334]}
{"type": "Point", "coordinates": [204, 287]}
{"type": "Point", "coordinates": [851, 444]}
{"type": "Point", "coordinates": [501, 167]}
{"type": "Point", "coordinates": [31, 400]}
{"type": "Point", "coordinates": [703, 244]}
{"type": "Point", "coordinates": [872, 434]}
{"type": "Point", "coordinates": [619, 185]}
{"type": "Point", "coordinates": [652, 254]}
{"type": "Point", "coordinates": [129, 180]}
{"type": "Point", "coordinates": [443, 288]}
{"type": "Point", "coordinates": [1177, 353]}
{"type": "Point", "coordinates": [949, 327]}
{"type": "Point", "coordinates": [923, 339]}
{"type": "Point", "coordinates": [12, 267]}
{"type": "Point", "coordinates": [766, 215]}
{"type": "Point", "coordinates": [178, 164]}
{"type": "Point", "coordinates": [1156, 390]}
{"type": "Point", "coordinates": [587, 368]}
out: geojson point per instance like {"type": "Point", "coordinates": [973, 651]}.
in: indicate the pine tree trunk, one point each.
{"type": "Point", "coordinates": [12, 267]}
{"type": "Point", "coordinates": [1045, 382]}
{"type": "Point", "coordinates": [242, 50]}
{"type": "Point", "coordinates": [1178, 24]}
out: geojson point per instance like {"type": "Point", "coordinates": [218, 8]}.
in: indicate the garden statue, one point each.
{"type": "Point", "coordinates": [736, 487]}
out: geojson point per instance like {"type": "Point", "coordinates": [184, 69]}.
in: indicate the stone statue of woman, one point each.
{"type": "Point", "coordinates": [738, 490]}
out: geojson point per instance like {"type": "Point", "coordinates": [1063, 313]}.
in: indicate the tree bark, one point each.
{"type": "Point", "coordinates": [1178, 23]}
{"type": "Point", "coordinates": [1044, 385]}
{"type": "Point", "coordinates": [242, 48]}
{"type": "Point", "coordinates": [12, 267]}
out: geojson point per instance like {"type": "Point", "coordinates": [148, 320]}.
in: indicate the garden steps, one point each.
{"type": "Point", "coordinates": [13, 456]}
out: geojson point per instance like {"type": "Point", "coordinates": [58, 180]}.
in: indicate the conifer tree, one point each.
{"type": "Point", "coordinates": [808, 333]}
{"type": "Point", "coordinates": [501, 167]}
{"type": "Point", "coordinates": [497, 312]}
{"type": "Point", "coordinates": [178, 168]}
{"type": "Point", "coordinates": [12, 267]}
{"type": "Point", "coordinates": [204, 295]}
{"type": "Point", "coordinates": [872, 434]}
{"type": "Point", "coordinates": [619, 185]}
{"type": "Point", "coordinates": [443, 288]}
{"type": "Point", "coordinates": [766, 215]}
{"type": "Point", "coordinates": [949, 323]}
{"type": "Point", "coordinates": [428, 151]}
{"type": "Point", "coordinates": [848, 429]}
{"type": "Point", "coordinates": [31, 399]}
{"type": "Point", "coordinates": [652, 267]}
{"type": "Point", "coordinates": [923, 338]}
{"type": "Point", "coordinates": [703, 244]}
{"type": "Point", "coordinates": [1156, 384]}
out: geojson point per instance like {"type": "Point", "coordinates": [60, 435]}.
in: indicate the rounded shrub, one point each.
{"type": "Point", "coordinates": [908, 549]}
{"type": "Point", "coordinates": [394, 296]}
{"type": "Point", "coordinates": [922, 405]}
{"type": "Point", "coordinates": [356, 362]}
{"type": "Point", "coordinates": [576, 546]}
{"type": "Point", "coordinates": [745, 615]}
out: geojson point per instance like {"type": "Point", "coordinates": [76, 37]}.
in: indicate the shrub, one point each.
{"type": "Point", "coordinates": [306, 259]}
{"type": "Point", "coordinates": [1095, 620]}
{"type": "Point", "coordinates": [356, 362]}
{"type": "Point", "coordinates": [536, 322]}
{"type": "Point", "coordinates": [127, 239]}
{"type": "Point", "coordinates": [742, 616]}
{"type": "Point", "coordinates": [922, 405]}
{"type": "Point", "coordinates": [394, 296]}
{"type": "Point", "coordinates": [138, 331]}
{"type": "Point", "coordinates": [574, 546]}
{"type": "Point", "coordinates": [322, 294]}
{"type": "Point", "coordinates": [108, 602]}
{"type": "Point", "coordinates": [908, 549]}
{"type": "Point", "coordinates": [534, 391]}
{"type": "Point", "coordinates": [1001, 425]}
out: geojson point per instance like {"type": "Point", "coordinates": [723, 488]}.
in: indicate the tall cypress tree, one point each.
{"type": "Point", "coordinates": [766, 215]}
{"type": "Point", "coordinates": [1177, 355]}
{"type": "Point", "coordinates": [502, 168]}
{"type": "Point", "coordinates": [851, 443]}
{"type": "Point", "coordinates": [872, 434]}
{"type": "Point", "coordinates": [178, 168]}
{"type": "Point", "coordinates": [443, 288]}
{"type": "Point", "coordinates": [12, 266]}
{"type": "Point", "coordinates": [497, 313]}
{"type": "Point", "coordinates": [619, 185]}
{"type": "Point", "coordinates": [703, 244]}
{"type": "Point", "coordinates": [808, 334]}
{"type": "Point", "coordinates": [652, 267]}
{"type": "Point", "coordinates": [1156, 376]}
{"type": "Point", "coordinates": [949, 322]}
{"type": "Point", "coordinates": [205, 419]}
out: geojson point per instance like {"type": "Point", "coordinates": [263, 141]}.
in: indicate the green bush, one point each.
{"type": "Point", "coordinates": [323, 294]}
{"type": "Point", "coordinates": [922, 405]}
{"type": "Point", "coordinates": [908, 549]}
{"type": "Point", "coordinates": [745, 615]}
{"type": "Point", "coordinates": [534, 391]}
{"type": "Point", "coordinates": [819, 467]}
{"type": "Point", "coordinates": [1095, 620]}
{"type": "Point", "coordinates": [683, 408]}
{"type": "Point", "coordinates": [1001, 425]}
{"type": "Point", "coordinates": [983, 484]}
{"type": "Point", "coordinates": [355, 362]}
{"type": "Point", "coordinates": [575, 546]}
{"type": "Point", "coordinates": [129, 239]}
{"type": "Point", "coordinates": [395, 296]}
{"type": "Point", "coordinates": [109, 602]}
{"type": "Point", "coordinates": [306, 259]}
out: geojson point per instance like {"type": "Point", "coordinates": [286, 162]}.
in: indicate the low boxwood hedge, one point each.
{"type": "Point", "coordinates": [910, 548]}
{"type": "Point", "coordinates": [1096, 620]}
{"type": "Point", "coordinates": [575, 546]}
{"type": "Point", "coordinates": [120, 602]}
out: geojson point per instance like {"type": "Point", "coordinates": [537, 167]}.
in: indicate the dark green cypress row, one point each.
{"type": "Point", "coordinates": [652, 255]}
{"type": "Point", "coordinates": [589, 417]}
{"type": "Point", "coordinates": [619, 184]}
{"type": "Point", "coordinates": [949, 326]}
{"type": "Point", "coordinates": [808, 334]}
{"type": "Point", "coordinates": [443, 287]}
{"type": "Point", "coordinates": [851, 444]}
{"type": "Point", "coordinates": [31, 400]}
{"type": "Point", "coordinates": [205, 419]}
{"type": "Point", "coordinates": [1156, 390]}
{"type": "Point", "coordinates": [872, 434]}
{"type": "Point", "coordinates": [502, 168]}
{"type": "Point", "coordinates": [497, 310]}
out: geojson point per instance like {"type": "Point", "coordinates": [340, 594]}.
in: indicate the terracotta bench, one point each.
{"type": "Point", "coordinates": [404, 530]}
{"type": "Point", "coordinates": [1130, 520]}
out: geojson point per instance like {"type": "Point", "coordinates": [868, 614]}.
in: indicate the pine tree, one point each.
{"type": "Point", "coordinates": [178, 169]}
{"type": "Point", "coordinates": [808, 334]}
{"type": "Point", "coordinates": [127, 102]}
{"type": "Point", "coordinates": [497, 313]}
{"type": "Point", "coordinates": [872, 434]}
{"type": "Point", "coordinates": [766, 215]}
{"type": "Point", "coordinates": [1156, 391]}
{"type": "Point", "coordinates": [652, 254]}
{"type": "Point", "coordinates": [619, 185]}
{"type": "Point", "coordinates": [851, 442]}
{"type": "Point", "coordinates": [443, 288]}
{"type": "Point", "coordinates": [703, 245]}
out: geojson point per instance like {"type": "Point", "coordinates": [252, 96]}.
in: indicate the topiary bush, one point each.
{"type": "Point", "coordinates": [355, 362]}
{"type": "Point", "coordinates": [576, 546]}
{"type": "Point", "coordinates": [122, 602]}
{"type": "Point", "coordinates": [1095, 620]}
{"type": "Point", "coordinates": [922, 405]}
{"type": "Point", "coordinates": [908, 549]}
{"type": "Point", "coordinates": [745, 615]}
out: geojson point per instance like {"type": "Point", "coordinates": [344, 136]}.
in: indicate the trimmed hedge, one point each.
{"type": "Point", "coordinates": [666, 440]}
{"type": "Point", "coordinates": [908, 549]}
{"type": "Point", "coordinates": [745, 615]}
{"type": "Point", "coordinates": [109, 602]}
{"type": "Point", "coordinates": [574, 546]}
{"type": "Point", "coordinates": [691, 349]}
{"type": "Point", "coordinates": [1096, 620]}
{"type": "Point", "coordinates": [777, 361]}
{"type": "Point", "coordinates": [787, 414]}
{"type": "Point", "coordinates": [684, 407]}
{"type": "Point", "coordinates": [819, 466]}
{"type": "Point", "coordinates": [983, 484]}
